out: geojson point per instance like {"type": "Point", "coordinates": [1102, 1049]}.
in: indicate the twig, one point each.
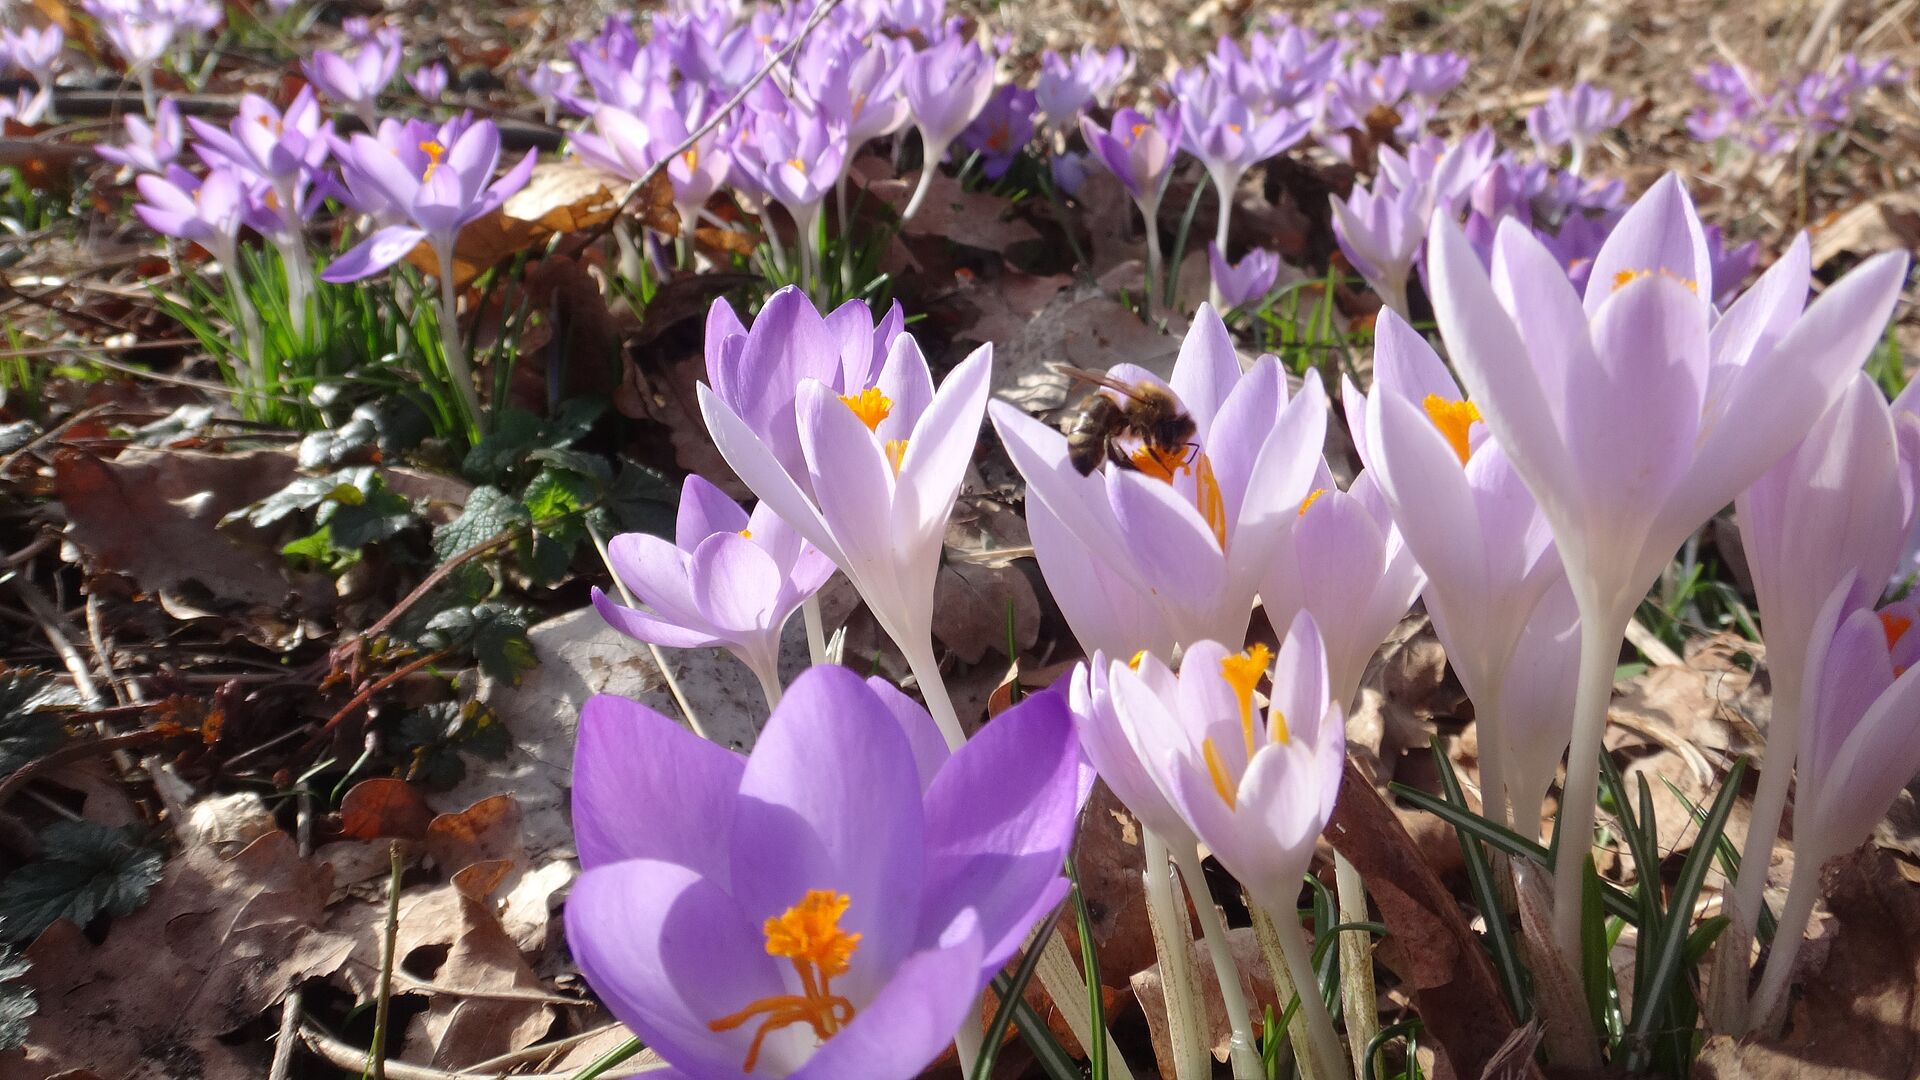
{"type": "Point", "coordinates": [439, 574]}
{"type": "Point", "coordinates": [376, 1060]}
{"type": "Point", "coordinates": [380, 684]}
{"type": "Point", "coordinates": [78, 751]}
{"type": "Point", "coordinates": [347, 1056]}
{"type": "Point", "coordinates": [712, 121]}
{"type": "Point", "coordinates": [290, 1007]}
{"type": "Point", "coordinates": [539, 1050]}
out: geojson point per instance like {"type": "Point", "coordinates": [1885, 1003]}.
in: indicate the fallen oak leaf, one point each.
{"type": "Point", "coordinates": [384, 807]}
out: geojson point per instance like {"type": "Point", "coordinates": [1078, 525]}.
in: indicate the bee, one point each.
{"type": "Point", "coordinates": [1145, 411]}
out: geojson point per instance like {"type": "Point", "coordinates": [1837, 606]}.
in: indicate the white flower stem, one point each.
{"type": "Point", "coordinates": [1496, 796]}
{"type": "Point", "coordinates": [1357, 995]}
{"type": "Point", "coordinates": [1328, 1062]}
{"type": "Point", "coordinates": [816, 630]}
{"type": "Point", "coordinates": [1601, 629]}
{"type": "Point", "coordinates": [926, 672]}
{"type": "Point", "coordinates": [1787, 937]}
{"type": "Point", "coordinates": [1225, 191]}
{"type": "Point", "coordinates": [455, 349]}
{"type": "Point", "coordinates": [1150, 212]}
{"type": "Point", "coordinates": [768, 672]}
{"type": "Point", "coordinates": [1243, 1053]}
{"type": "Point", "coordinates": [968, 1041]}
{"type": "Point", "coordinates": [1166, 917]}
{"type": "Point", "coordinates": [253, 375]}
{"type": "Point", "coordinates": [1728, 998]}
{"type": "Point", "coordinates": [935, 152]}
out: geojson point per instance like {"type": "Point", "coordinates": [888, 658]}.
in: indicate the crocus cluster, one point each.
{"type": "Point", "coordinates": [1776, 120]}
{"type": "Point", "coordinates": [145, 32]}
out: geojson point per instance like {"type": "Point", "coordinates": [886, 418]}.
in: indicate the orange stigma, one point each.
{"type": "Point", "coordinates": [1159, 462]}
{"type": "Point", "coordinates": [1896, 627]}
{"type": "Point", "coordinates": [1623, 278]}
{"type": "Point", "coordinates": [809, 934]}
{"type": "Point", "coordinates": [1454, 419]}
{"type": "Point", "coordinates": [896, 453]}
{"type": "Point", "coordinates": [435, 154]}
{"type": "Point", "coordinates": [1209, 501]}
{"type": "Point", "coordinates": [1243, 672]}
{"type": "Point", "coordinates": [870, 405]}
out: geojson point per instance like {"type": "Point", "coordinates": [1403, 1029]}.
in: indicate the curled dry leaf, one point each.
{"type": "Point", "coordinates": [563, 196]}
{"type": "Point", "coordinates": [384, 807]}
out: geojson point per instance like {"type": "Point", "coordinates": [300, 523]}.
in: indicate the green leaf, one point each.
{"type": "Point", "coordinates": [1014, 1009]}
{"type": "Point", "coordinates": [17, 1005]}
{"type": "Point", "coordinates": [494, 631]}
{"type": "Point", "coordinates": [592, 466]}
{"type": "Point", "coordinates": [1506, 957]}
{"type": "Point", "coordinates": [306, 492]}
{"type": "Point", "coordinates": [381, 515]}
{"type": "Point", "coordinates": [556, 493]}
{"type": "Point", "coordinates": [488, 513]}
{"type": "Point", "coordinates": [89, 870]}
{"type": "Point", "coordinates": [515, 432]}
{"type": "Point", "coordinates": [27, 728]}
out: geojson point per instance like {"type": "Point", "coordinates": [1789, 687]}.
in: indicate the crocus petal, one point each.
{"type": "Point", "coordinates": [735, 584]}
{"type": "Point", "coordinates": [1173, 546]}
{"type": "Point", "coordinates": [658, 574]}
{"type": "Point", "coordinates": [1207, 368]}
{"type": "Point", "coordinates": [1103, 607]}
{"type": "Point", "coordinates": [912, 1019]}
{"type": "Point", "coordinates": [761, 471]}
{"type": "Point", "coordinates": [704, 510]}
{"type": "Point", "coordinates": [1000, 818]}
{"type": "Point", "coordinates": [831, 800]}
{"type": "Point", "coordinates": [374, 254]}
{"type": "Point", "coordinates": [1660, 232]}
{"type": "Point", "coordinates": [629, 755]}
{"type": "Point", "coordinates": [943, 440]}
{"type": "Point", "coordinates": [930, 750]}
{"type": "Point", "coordinates": [648, 627]}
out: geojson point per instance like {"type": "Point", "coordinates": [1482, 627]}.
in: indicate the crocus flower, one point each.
{"type": "Point", "coordinates": [829, 906]}
{"type": "Point", "coordinates": [1068, 84]}
{"type": "Point", "coordinates": [1379, 230]}
{"type": "Point", "coordinates": [1536, 697]}
{"type": "Point", "coordinates": [883, 465]}
{"type": "Point", "coordinates": [139, 35]}
{"type": "Point", "coordinates": [358, 81]}
{"type": "Point", "coordinates": [1470, 523]}
{"type": "Point", "coordinates": [1633, 415]}
{"type": "Point", "coordinates": [1228, 137]}
{"type": "Point", "coordinates": [149, 148]}
{"type": "Point", "coordinates": [454, 186]}
{"type": "Point", "coordinates": [1002, 130]}
{"type": "Point", "coordinates": [947, 85]}
{"type": "Point", "coordinates": [37, 52]}
{"type": "Point", "coordinates": [429, 81]}
{"type": "Point", "coordinates": [862, 87]}
{"type": "Point", "coordinates": [1858, 749]}
{"type": "Point", "coordinates": [1247, 281]}
{"type": "Point", "coordinates": [726, 579]}
{"type": "Point", "coordinates": [549, 83]}
{"type": "Point", "coordinates": [1574, 118]}
{"type": "Point", "coordinates": [797, 157]}
{"type": "Point", "coordinates": [1342, 559]}
{"type": "Point", "coordinates": [1429, 77]}
{"type": "Point", "coordinates": [1731, 265]}
{"type": "Point", "coordinates": [208, 212]}
{"type": "Point", "coordinates": [1140, 151]}
{"type": "Point", "coordinates": [1171, 551]}
{"type": "Point", "coordinates": [1256, 786]}
{"type": "Point", "coordinates": [1278, 72]}
{"type": "Point", "coordinates": [1835, 509]}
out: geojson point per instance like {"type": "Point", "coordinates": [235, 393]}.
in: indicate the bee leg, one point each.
{"type": "Point", "coordinates": [1119, 458]}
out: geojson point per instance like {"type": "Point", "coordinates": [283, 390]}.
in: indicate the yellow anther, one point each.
{"type": "Point", "coordinates": [1454, 419]}
{"type": "Point", "coordinates": [1217, 772]}
{"type": "Point", "coordinates": [746, 534]}
{"type": "Point", "coordinates": [1243, 672]}
{"type": "Point", "coordinates": [870, 405]}
{"type": "Point", "coordinates": [896, 453]}
{"type": "Point", "coordinates": [435, 154]}
{"type": "Point", "coordinates": [1312, 497]}
{"type": "Point", "coordinates": [1210, 502]}
{"type": "Point", "coordinates": [808, 934]}
{"type": "Point", "coordinates": [1138, 658]}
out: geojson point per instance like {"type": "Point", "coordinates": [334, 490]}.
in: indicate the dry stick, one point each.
{"type": "Point", "coordinates": [376, 1059]}
{"type": "Point", "coordinates": [659, 658]}
{"type": "Point", "coordinates": [347, 1056]}
{"type": "Point", "coordinates": [382, 683]}
{"type": "Point", "coordinates": [290, 1007]}
{"type": "Point", "coordinates": [538, 1050]}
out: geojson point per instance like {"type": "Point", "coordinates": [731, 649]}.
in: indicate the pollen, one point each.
{"type": "Point", "coordinates": [1312, 497]}
{"type": "Point", "coordinates": [691, 155]}
{"type": "Point", "coordinates": [1243, 672]}
{"type": "Point", "coordinates": [1217, 772]}
{"type": "Point", "coordinates": [809, 935]}
{"type": "Point", "coordinates": [1623, 278]}
{"type": "Point", "coordinates": [798, 165]}
{"type": "Point", "coordinates": [746, 534]}
{"type": "Point", "coordinates": [1896, 627]}
{"type": "Point", "coordinates": [1159, 462]}
{"type": "Point", "coordinates": [1454, 419]}
{"type": "Point", "coordinates": [870, 405]}
{"type": "Point", "coordinates": [1137, 129]}
{"type": "Point", "coordinates": [1138, 659]}
{"type": "Point", "coordinates": [435, 155]}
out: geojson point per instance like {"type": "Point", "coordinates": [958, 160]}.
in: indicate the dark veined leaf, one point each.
{"type": "Point", "coordinates": [305, 493]}
{"type": "Point", "coordinates": [88, 870]}
{"type": "Point", "coordinates": [488, 513]}
{"type": "Point", "coordinates": [496, 632]}
{"type": "Point", "coordinates": [27, 729]}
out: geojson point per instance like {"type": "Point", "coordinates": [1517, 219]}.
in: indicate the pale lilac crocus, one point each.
{"type": "Point", "coordinates": [358, 81]}
{"type": "Point", "coordinates": [947, 84]}
{"type": "Point", "coordinates": [1859, 747]}
{"type": "Point", "coordinates": [208, 212]}
{"type": "Point", "coordinates": [1469, 522]}
{"type": "Point", "coordinates": [36, 51]}
{"type": "Point", "coordinates": [1228, 137]}
{"type": "Point", "coordinates": [727, 579]}
{"type": "Point", "coordinates": [453, 187]}
{"type": "Point", "coordinates": [1068, 84]}
{"type": "Point", "coordinates": [1247, 281]}
{"type": "Point", "coordinates": [549, 83]}
{"type": "Point", "coordinates": [1633, 414]}
{"type": "Point", "coordinates": [1257, 786]}
{"type": "Point", "coordinates": [883, 466]}
{"type": "Point", "coordinates": [1834, 509]}
{"type": "Point", "coordinates": [829, 906]}
{"type": "Point", "coordinates": [149, 147]}
{"type": "Point", "coordinates": [140, 35]}
{"type": "Point", "coordinates": [429, 81]}
{"type": "Point", "coordinates": [1140, 151]}
{"type": "Point", "coordinates": [1380, 231]}
{"type": "Point", "coordinates": [1574, 118]}
{"type": "Point", "coordinates": [797, 157]}
{"type": "Point", "coordinates": [1430, 76]}
{"type": "Point", "coordinates": [1171, 550]}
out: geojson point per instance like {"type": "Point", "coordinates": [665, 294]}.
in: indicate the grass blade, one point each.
{"type": "Point", "coordinates": [608, 1060]}
{"type": "Point", "coordinates": [1090, 962]}
{"type": "Point", "coordinates": [1486, 895]}
{"type": "Point", "coordinates": [1014, 1010]}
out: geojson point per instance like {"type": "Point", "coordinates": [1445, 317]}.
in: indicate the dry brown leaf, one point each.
{"type": "Point", "coordinates": [562, 196]}
{"type": "Point", "coordinates": [1082, 327]}
{"type": "Point", "coordinates": [154, 517]}
{"type": "Point", "coordinates": [1256, 982]}
{"type": "Point", "coordinates": [219, 942]}
{"type": "Point", "coordinates": [479, 847]}
{"type": "Point", "coordinates": [971, 218]}
{"type": "Point", "coordinates": [1887, 222]}
{"type": "Point", "coordinates": [384, 807]}
{"type": "Point", "coordinates": [1857, 1013]}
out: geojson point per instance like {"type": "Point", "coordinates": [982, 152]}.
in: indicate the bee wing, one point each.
{"type": "Point", "coordinates": [1098, 378]}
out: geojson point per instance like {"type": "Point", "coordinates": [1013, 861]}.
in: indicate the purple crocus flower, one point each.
{"type": "Point", "coordinates": [1247, 281]}
{"type": "Point", "coordinates": [429, 81]}
{"type": "Point", "coordinates": [1859, 748]}
{"type": "Point", "coordinates": [454, 186]}
{"type": "Point", "coordinates": [1068, 84]}
{"type": "Point", "coordinates": [947, 84]}
{"type": "Point", "coordinates": [1835, 509]}
{"type": "Point", "coordinates": [149, 147]}
{"type": "Point", "coordinates": [1379, 230]}
{"type": "Point", "coordinates": [1470, 523]}
{"type": "Point", "coordinates": [1430, 76]}
{"type": "Point", "coordinates": [36, 51]}
{"type": "Point", "coordinates": [1574, 118]}
{"type": "Point", "coordinates": [140, 35]}
{"type": "Point", "coordinates": [797, 157]}
{"type": "Point", "coordinates": [1140, 150]}
{"type": "Point", "coordinates": [549, 84]}
{"type": "Point", "coordinates": [726, 579]}
{"type": "Point", "coordinates": [1280, 72]}
{"type": "Point", "coordinates": [1172, 550]}
{"type": "Point", "coordinates": [208, 212]}
{"type": "Point", "coordinates": [861, 85]}
{"type": "Point", "coordinates": [883, 466]}
{"type": "Point", "coordinates": [829, 906]}
{"type": "Point", "coordinates": [1002, 130]}
{"type": "Point", "coordinates": [1633, 415]}
{"type": "Point", "coordinates": [1217, 127]}
{"type": "Point", "coordinates": [1731, 265]}
{"type": "Point", "coordinates": [1257, 787]}
{"type": "Point", "coordinates": [357, 82]}
{"type": "Point", "coordinates": [1068, 171]}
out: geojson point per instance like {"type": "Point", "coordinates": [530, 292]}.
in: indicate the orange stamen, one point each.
{"type": "Point", "coordinates": [1209, 501]}
{"type": "Point", "coordinates": [1243, 672]}
{"type": "Point", "coordinates": [1312, 497]}
{"type": "Point", "coordinates": [1896, 627]}
{"type": "Point", "coordinates": [1454, 419]}
{"type": "Point", "coordinates": [435, 154]}
{"type": "Point", "coordinates": [809, 934]}
{"type": "Point", "coordinates": [870, 405]}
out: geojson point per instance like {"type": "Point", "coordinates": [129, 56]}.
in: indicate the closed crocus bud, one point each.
{"type": "Point", "coordinates": [1247, 281]}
